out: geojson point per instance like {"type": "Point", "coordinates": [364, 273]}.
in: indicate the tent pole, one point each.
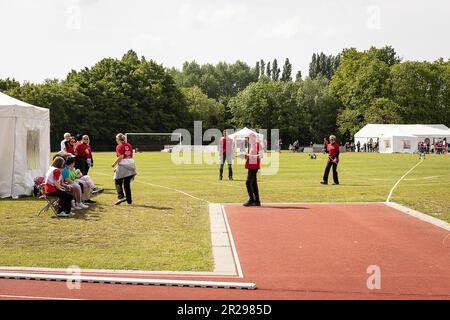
{"type": "Point", "coordinates": [13, 157]}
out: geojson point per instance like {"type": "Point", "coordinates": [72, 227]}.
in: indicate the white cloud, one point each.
{"type": "Point", "coordinates": [286, 29]}
{"type": "Point", "coordinates": [146, 42]}
{"type": "Point", "coordinates": [210, 17]}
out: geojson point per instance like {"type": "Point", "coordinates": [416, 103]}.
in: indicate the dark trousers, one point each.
{"type": "Point", "coordinates": [252, 185]}
{"type": "Point", "coordinates": [327, 172]}
{"type": "Point", "coordinates": [82, 165]}
{"type": "Point", "coordinates": [64, 200]}
{"type": "Point", "coordinates": [222, 162]}
{"type": "Point", "coordinates": [121, 184]}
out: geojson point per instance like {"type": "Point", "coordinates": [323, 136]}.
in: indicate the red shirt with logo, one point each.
{"type": "Point", "coordinates": [255, 161]}
{"type": "Point", "coordinates": [124, 149]}
{"type": "Point", "coordinates": [333, 152]}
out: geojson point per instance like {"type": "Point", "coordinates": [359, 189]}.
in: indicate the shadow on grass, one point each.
{"type": "Point", "coordinates": [94, 213]}
{"type": "Point", "coordinates": [150, 207]}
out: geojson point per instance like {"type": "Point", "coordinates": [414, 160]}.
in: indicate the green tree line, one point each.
{"type": "Point", "coordinates": [340, 95]}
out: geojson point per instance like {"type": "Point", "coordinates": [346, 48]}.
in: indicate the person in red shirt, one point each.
{"type": "Point", "coordinates": [226, 153]}
{"type": "Point", "coordinates": [124, 150]}
{"type": "Point", "coordinates": [89, 158]}
{"type": "Point", "coordinates": [252, 164]}
{"type": "Point", "coordinates": [333, 160]}
{"type": "Point", "coordinates": [55, 187]}
{"type": "Point", "coordinates": [81, 154]}
{"type": "Point", "coordinates": [70, 145]}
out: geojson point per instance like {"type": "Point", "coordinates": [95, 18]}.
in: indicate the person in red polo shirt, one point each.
{"type": "Point", "coordinates": [226, 153]}
{"type": "Point", "coordinates": [125, 169]}
{"type": "Point", "coordinates": [333, 160]}
{"type": "Point", "coordinates": [252, 164]}
{"type": "Point", "coordinates": [81, 154]}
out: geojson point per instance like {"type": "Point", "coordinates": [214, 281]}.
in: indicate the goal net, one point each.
{"type": "Point", "coordinates": [164, 142]}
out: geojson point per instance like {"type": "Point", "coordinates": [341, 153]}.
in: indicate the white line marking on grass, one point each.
{"type": "Point", "coordinates": [233, 246]}
{"type": "Point", "coordinates": [132, 281]}
{"type": "Point", "coordinates": [395, 185]}
{"type": "Point", "coordinates": [173, 189]}
{"type": "Point", "coordinates": [33, 297]}
{"type": "Point", "coordinates": [159, 186]}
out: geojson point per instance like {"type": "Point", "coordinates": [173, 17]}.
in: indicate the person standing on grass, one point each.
{"type": "Point", "coordinates": [82, 154]}
{"type": "Point", "coordinates": [89, 158]}
{"type": "Point", "coordinates": [226, 153]}
{"type": "Point", "coordinates": [252, 164]}
{"type": "Point", "coordinates": [65, 141]}
{"type": "Point", "coordinates": [124, 169]}
{"type": "Point", "coordinates": [333, 160]}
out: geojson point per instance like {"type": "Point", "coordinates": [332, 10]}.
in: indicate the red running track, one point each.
{"type": "Point", "coordinates": [308, 251]}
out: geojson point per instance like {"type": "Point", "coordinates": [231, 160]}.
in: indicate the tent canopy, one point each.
{"type": "Point", "coordinates": [243, 133]}
{"type": "Point", "coordinates": [25, 130]}
{"type": "Point", "coordinates": [419, 130]}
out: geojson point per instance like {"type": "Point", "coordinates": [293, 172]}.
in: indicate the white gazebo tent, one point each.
{"type": "Point", "coordinates": [397, 137]}
{"type": "Point", "coordinates": [24, 155]}
{"type": "Point", "coordinates": [239, 138]}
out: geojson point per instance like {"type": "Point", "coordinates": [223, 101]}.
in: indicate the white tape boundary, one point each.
{"type": "Point", "coordinates": [233, 246]}
{"type": "Point", "coordinates": [130, 281]}
{"type": "Point", "coordinates": [419, 215]}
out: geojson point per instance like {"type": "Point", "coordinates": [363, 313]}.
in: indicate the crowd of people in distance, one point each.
{"type": "Point", "coordinates": [438, 147]}
{"type": "Point", "coordinates": [371, 146]}
{"type": "Point", "coordinates": [67, 178]}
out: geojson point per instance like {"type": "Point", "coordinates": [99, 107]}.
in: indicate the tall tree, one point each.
{"type": "Point", "coordinates": [287, 71]}
{"type": "Point", "coordinates": [275, 70]}
{"type": "Point", "coordinates": [263, 70]}
{"type": "Point", "coordinates": [257, 70]}
{"type": "Point", "coordinates": [268, 70]}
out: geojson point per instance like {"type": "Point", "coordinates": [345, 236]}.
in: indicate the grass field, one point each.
{"type": "Point", "coordinates": [167, 230]}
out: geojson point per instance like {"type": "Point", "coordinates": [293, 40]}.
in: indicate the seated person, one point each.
{"type": "Point", "coordinates": [55, 187]}
{"type": "Point", "coordinates": [82, 185]}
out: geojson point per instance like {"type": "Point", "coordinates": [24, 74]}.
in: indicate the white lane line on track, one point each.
{"type": "Point", "coordinates": [33, 297]}
{"type": "Point", "coordinates": [164, 187]}
{"type": "Point", "coordinates": [399, 180]}
{"type": "Point", "coordinates": [233, 246]}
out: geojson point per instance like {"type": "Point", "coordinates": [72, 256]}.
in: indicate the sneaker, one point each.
{"type": "Point", "coordinates": [220, 178]}
{"type": "Point", "coordinates": [323, 182]}
{"type": "Point", "coordinates": [120, 201]}
{"type": "Point", "coordinates": [336, 184]}
{"type": "Point", "coordinates": [82, 205]}
{"type": "Point", "coordinates": [230, 178]}
{"type": "Point", "coordinates": [75, 207]}
{"type": "Point", "coordinates": [249, 203]}
{"type": "Point", "coordinates": [63, 214]}
{"type": "Point", "coordinates": [90, 201]}
{"type": "Point", "coordinates": [257, 204]}
{"type": "Point", "coordinates": [97, 190]}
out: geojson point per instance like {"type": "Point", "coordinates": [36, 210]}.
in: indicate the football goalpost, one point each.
{"type": "Point", "coordinates": [153, 141]}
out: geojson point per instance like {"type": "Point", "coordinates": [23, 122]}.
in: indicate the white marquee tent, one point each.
{"type": "Point", "coordinates": [239, 138]}
{"type": "Point", "coordinates": [24, 154]}
{"type": "Point", "coordinates": [401, 138]}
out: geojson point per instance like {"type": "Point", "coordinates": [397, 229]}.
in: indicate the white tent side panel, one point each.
{"type": "Point", "coordinates": [24, 155]}
{"type": "Point", "coordinates": [6, 156]}
{"type": "Point", "coordinates": [404, 144]}
{"type": "Point", "coordinates": [26, 169]}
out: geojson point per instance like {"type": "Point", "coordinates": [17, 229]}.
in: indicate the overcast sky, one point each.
{"type": "Point", "coordinates": [47, 38]}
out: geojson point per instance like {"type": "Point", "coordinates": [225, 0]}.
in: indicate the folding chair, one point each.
{"type": "Point", "coordinates": [52, 202]}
